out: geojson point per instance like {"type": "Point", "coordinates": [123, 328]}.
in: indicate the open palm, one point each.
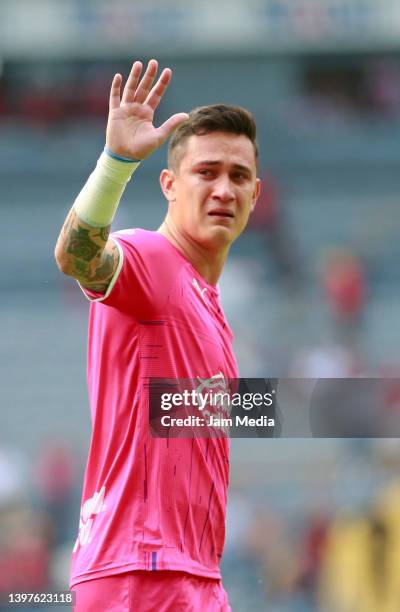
{"type": "Point", "coordinates": [130, 129]}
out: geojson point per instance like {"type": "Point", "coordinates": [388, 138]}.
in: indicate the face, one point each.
{"type": "Point", "coordinates": [214, 190]}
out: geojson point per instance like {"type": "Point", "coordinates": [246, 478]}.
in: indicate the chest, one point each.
{"type": "Point", "coordinates": [192, 335]}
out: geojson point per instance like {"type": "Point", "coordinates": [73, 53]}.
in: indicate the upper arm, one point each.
{"type": "Point", "coordinates": [102, 271]}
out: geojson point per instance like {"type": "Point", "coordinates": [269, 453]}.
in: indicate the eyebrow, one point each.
{"type": "Point", "coordinates": [213, 162]}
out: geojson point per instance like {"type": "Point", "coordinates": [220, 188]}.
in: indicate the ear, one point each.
{"type": "Point", "coordinates": [167, 182]}
{"type": "Point", "coordinates": [256, 194]}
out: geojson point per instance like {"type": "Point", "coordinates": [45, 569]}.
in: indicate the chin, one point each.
{"type": "Point", "coordinates": [218, 237]}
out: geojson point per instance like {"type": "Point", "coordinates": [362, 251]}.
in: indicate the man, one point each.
{"type": "Point", "coordinates": [153, 510]}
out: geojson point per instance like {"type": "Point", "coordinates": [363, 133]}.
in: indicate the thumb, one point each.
{"type": "Point", "coordinates": [166, 129]}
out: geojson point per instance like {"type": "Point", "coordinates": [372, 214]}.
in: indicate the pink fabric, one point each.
{"type": "Point", "coordinates": [147, 591]}
{"type": "Point", "coordinates": [152, 504]}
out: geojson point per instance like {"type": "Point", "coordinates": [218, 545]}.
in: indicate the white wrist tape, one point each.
{"type": "Point", "coordinates": [98, 201]}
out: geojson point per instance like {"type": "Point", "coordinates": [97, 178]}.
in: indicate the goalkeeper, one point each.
{"type": "Point", "coordinates": [152, 523]}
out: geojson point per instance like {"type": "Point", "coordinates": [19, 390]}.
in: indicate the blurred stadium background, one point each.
{"type": "Point", "coordinates": [312, 289]}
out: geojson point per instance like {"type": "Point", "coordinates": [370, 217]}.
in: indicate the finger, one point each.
{"type": "Point", "coordinates": [146, 82]}
{"type": "Point", "coordinates": [131, 84]}
{"type": "Point", "coordinates": [166, 129]}
{"type": "Point", "coordinates": [115, 92]}
{"type": "Point", "coordinates": [155, 95]}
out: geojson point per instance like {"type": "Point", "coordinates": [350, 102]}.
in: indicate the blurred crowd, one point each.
{"type": "Point", "coordinates": [38, 509]}
{"type": "Point", "coordinates": [45, 94]}
{"type": "Point", "coordinates": [50, 96]}
{"type": "Point", "coordinates": [322, 554]}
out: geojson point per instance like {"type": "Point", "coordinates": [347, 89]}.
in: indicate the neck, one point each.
{"type": "Point", "coordinates": [207, 261]}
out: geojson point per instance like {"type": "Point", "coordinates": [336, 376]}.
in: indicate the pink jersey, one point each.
{"type": "Point", "coordinates": [151, 503]}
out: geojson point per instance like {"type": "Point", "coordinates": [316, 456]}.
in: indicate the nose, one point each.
{"type": "Point", "coordinates": [223, 190]}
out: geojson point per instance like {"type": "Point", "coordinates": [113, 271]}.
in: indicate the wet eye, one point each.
{"type": "Point", "coordinates": [205, 172]}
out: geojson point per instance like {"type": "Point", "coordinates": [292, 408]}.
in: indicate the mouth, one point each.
{"type": "Point", "coordinates": [221, 213]}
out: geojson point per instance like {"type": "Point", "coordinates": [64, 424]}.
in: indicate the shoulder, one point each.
{"type": "Point", "coordinates": [142, 240]}
{"type": "Point", "coordinates": [150, 248]}
{"type": "Point", "coordinates": [148, 268]}
{"type": "Point", "coordinates": [149, 259]}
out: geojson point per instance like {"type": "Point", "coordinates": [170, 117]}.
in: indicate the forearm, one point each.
{"type": "Point", "coordinates": [83, 249]}
{"type": "Point", "coordinates": [85, 253]}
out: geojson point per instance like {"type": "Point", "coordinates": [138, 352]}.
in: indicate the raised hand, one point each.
{"type": "Point", "coordinates": [130, 130]}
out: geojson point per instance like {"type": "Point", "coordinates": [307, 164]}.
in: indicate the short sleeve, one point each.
{"type": "Point", "coordinates": [145, 272]}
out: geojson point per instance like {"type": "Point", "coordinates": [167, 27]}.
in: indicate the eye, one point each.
{"type": "Point", "coordinates": [208, 174]}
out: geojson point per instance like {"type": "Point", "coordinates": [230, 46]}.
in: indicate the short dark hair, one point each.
{"type": "Point", "coordinates": [213, 118]}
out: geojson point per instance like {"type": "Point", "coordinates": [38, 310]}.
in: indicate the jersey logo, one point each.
{"type": "Point", "coordinates": [92, 506]}
{"type": "Point", "coordinates": [217, 399]}
{"type": "Point", "coordinates": [218, 380]}
{"type": "Point", "coordinates": [199, 289]}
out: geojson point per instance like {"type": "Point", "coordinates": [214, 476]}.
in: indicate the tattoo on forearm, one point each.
{"type": "Point", "coordinates": [81, 267]}
{"type": "Point", "coordinates": [92, 260]}
{"type": "Point", "coordinates": [104, 232]}
{"type": "Point", "coordinates": [97, 275]}
{"type": "Point", "coordinates": [106, 269]}
{"type": "Point", "coordinates": [80, 244]}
